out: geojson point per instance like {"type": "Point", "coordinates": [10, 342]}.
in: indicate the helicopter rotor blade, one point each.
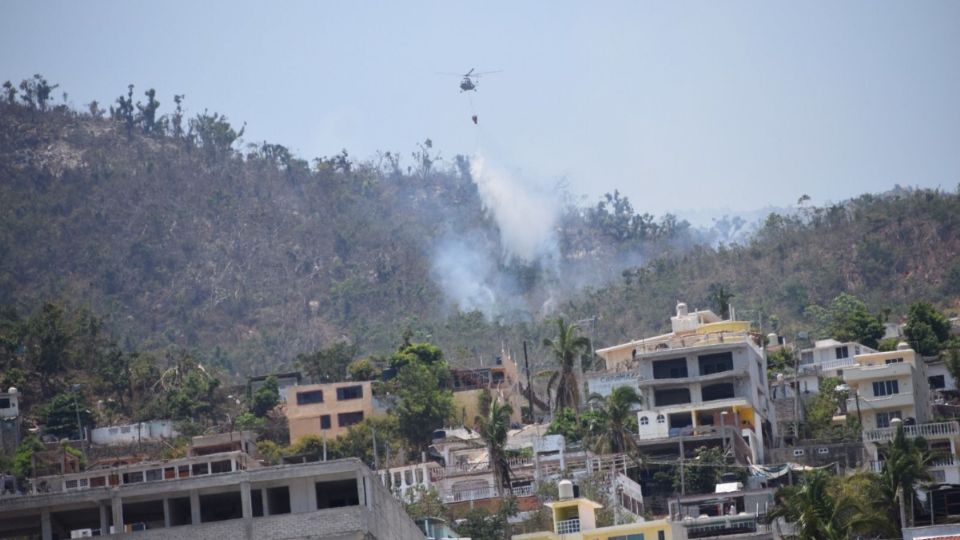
{"type": "Point", "coordinates": [469, 72]}
{"type": "Point", "coordinates": [486, 73]}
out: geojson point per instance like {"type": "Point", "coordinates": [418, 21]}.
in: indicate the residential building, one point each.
{"type": "Point", "coordinates": [888, 385]}
{"type": "Point", "coordinates": [501, 379]}
{"type": "Point", "coordinates": [827, 358]}
{"type": "Point", "coordinates": [328, 409]}
{"type": "Point", "coordinates": [731, 512]}
{"type": "Point", "coordinates": [707, 379]}
{"type": "Point", "coordinates": [9, 421]}
{"type": "Point", "coordinates": [574, 518]}
{"type": "Point", "coordinates": [131, 433]}
{"type": "Point", "coordinates": [212, 497]}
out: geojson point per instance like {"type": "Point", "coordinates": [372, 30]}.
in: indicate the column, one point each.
{"type": "Point", "coordinates": [167, 521]}
{"type": "Point", "coordinates": [245, 501]}
{"type": "Point", "coordinates": [194, 507]}
{"type": "Point", "coordinates": [266, 502]}
{"type": "Point", "coordinates": [104, 519]}
{"type": "Point", "coordinates": [116, 505]}
{"type": "Point", "coordinates": [46, 527]}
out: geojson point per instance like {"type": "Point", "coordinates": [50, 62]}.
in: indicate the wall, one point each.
{"type": "Point", "coordinates": [131, 433]}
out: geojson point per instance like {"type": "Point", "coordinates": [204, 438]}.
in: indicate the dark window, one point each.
{"type": "Point", "coordinates": [349, 418]}
{"type": "Point", "coordinates": [715, 363]}
{"type": "Point", "coordinates": [883, 418]}
{"type": "Point", "coordinates": [278, 500]}
{"type": "Point", "coordinates": [713, 392]}
{"type": "Point", "coordinates": [4, 403]}
{"type": "Point", "coordinates": [325, 421]}
{"type": "Point", "coordinates": [672, 396]}
{"type": "Point", "coordinates": [842, 352]}
{"type": "Point", "coordinates": [889, 361]}
{"type": "Point", "coordinates": [937, 382]}
{"type": "Point", "coordinates": [308, 398]}
{"type": "Point", "coordinates": [670, 369]}
{"type": "Point", "coordinates": [349, 392]}
{"type": "Point", "coordinates": [337, 494]}
{"type": "Point", "coordinates": [886, 388]}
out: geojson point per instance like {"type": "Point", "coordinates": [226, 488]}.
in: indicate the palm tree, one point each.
{"type": "Point", "coordinates": [615, 410]}
{"type": "Point", "coordinates": [493, 430]}
{"type": "Point", "coordinates": [567, 349]}
{"type": "Point", "coordinates": [904, 467]}
{"type": "Point", "coordinates": [821, 511]}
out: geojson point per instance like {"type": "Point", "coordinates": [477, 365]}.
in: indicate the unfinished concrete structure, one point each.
{"type": "Point", "coordinates": [336, 499]}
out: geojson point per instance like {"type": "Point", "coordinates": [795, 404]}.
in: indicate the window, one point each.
{"type": "Point", "coordinates": [125, 429]}
{"type": "Point", "coordinates": [715, 363]}
{"type": "Point", "coordinates": [889, 361]}
{"type": "Point", "coordinates": [842, 352]}
{"type": "Point", "coordinates": [133, 477]}
{"type": "Point", "coordinates": [717, 391]}
{"type": "Point", "coordinates": [99, 481]}
{"type": "Point", "coordinates": [638, 536]}
{"type": "Point", "coordinates": [154, 475]}
{"type": "Point", "coordinates": [325, 421]}
{"type": "Point", "coordinates": [937, 382]}
{"type": "Point", "coordinates": [670, 369]}
{"type": "Point", "coordinates": [644, 421]}
{"type": "Point", "coordinates": [199, 469]}
{"type": "Point", "coordinates": [349, 419]}
{"type": "Point", "coordinates": [823, 451]}
{"type": "Point", "coordinates": [886, 388]}
{"type": "Point", "coordinates": [661, 535]}
{"type": "Point", "coordinates": [797, 452]}
{"type": "Point", "coordinates": [4, 403]}
{"type": "Point", "coordinates": [661, 419]}
{"type": "Point", "coordinates": [349, 392]}
{"type": "Point", "coordinates": [671, 396]}
{"type": "Point", "coordinates": [884, 418]}
{"type": "Point", "coordinates": [308, 398]}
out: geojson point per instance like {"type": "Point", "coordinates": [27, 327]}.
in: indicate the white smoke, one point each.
{"type": "Point", "coordinates": [463, 271]}
{"type": "Point", "coordinates": [525, 212]}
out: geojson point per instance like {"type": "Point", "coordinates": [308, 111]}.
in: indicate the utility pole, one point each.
{"type": "Point", "coordinates": [796, 396]}
{"type": "Point", "coordinates": [376, 458]}
{"type": "Point", "coordinates": [76, 409]}
{"type": "Point", "coordinates": [526, 365]}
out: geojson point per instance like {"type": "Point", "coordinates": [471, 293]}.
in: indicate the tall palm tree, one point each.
{"type": "Point", "coordinates": [567, 349]}
{"type": "Point", "coordinates": [615, 411]}
{"type": "Point", "coordinates": [904, 467]}
{"type": "Point", "coordinates": [820, 511]}
{"type": "Point", "coordinates": [493, 430]}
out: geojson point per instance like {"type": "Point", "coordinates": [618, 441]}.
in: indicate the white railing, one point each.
{"type": "Point", "coordinates": [836, 364]}
{"type": "Point", "coordinates": [568, 526]}
{"type": "Point", "coordinates": [486, 493]}
{"type": "Point", "coordinates": [927, 431]}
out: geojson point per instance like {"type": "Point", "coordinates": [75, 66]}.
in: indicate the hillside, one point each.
{"type": "Point", "coordinates": [182, 236]}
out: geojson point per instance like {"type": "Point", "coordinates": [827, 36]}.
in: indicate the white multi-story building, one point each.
{"type": "Point", "coordinates": [706, 377]}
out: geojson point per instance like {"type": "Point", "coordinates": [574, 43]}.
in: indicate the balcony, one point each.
{"type": "Point", "coordinates": [674, 343]}
{"type": "Point", "coordinates": [710, 527]}
{"type": "Point", "coordinates": [877, 371]}
{"type": "Point", "coordinates": [486, 493]}
{"type": "Point", "coordinates": [467, 469]}
{"type": "Point", "coordinates": [935, 430]}
{"type": "Point", "coordinates": [568, 526]}
{"type": "Point", "coordinates": [840, 363]}
{"type": "Point", "coordinates": [901, 400]}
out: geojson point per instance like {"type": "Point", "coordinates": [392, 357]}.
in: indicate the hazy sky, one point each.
{"type": "Point", "coordinates": [679, 105]}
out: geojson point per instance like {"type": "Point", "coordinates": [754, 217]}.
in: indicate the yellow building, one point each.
{"type": "Point", "coordinates": [327, 409]}
{"type": "Point", "coordinates": [575, 519]}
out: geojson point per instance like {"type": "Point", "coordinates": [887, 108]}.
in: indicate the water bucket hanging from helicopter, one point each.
{"type": "Point", "coordinates": [468, 83]}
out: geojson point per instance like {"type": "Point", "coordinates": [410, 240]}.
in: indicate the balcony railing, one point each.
{"type": "Point", "coordinates": [486, 493]}
{"type": "Point", "coordinates": [568, 526]}
{"type": "Point", "coordinates": [932, 430]}
{"type": "Point", "coordinates": [438, 473]}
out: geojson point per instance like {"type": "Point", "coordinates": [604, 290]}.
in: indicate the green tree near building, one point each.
{"type": "Point", "coordinates": [328, 364]}
{"type": "Point", "coordinates": [59, 415]}
{"type": "Point", "coordinates": [424, 403]}
{"type": "Point", "coordinates": [927, 329]}
{"type": "Point", "coordinates": [615, 413]}
{"type": "Point", "coordinates": [847, 319]}
{"type": "Point", "coordinates": [266, 398]}
{"type": "Point", "coordinates": [493, 430]}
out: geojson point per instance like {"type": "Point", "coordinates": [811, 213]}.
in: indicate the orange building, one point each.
{"type": "Point", "coordinates": [327, 409]}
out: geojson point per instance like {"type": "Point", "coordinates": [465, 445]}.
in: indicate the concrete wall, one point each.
{"type": "Point", "coordinates": [131, 433]}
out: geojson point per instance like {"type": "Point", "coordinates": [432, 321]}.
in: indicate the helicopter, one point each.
{"type": "Point", "coordinates": [470, 79]}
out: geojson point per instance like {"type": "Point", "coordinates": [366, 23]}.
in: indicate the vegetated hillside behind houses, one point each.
{"type": "Point", "coordinates": [180, 236]}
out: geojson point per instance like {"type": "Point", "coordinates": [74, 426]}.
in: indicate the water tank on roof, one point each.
{"type": "Point", "coordinates": [681, 309]}
{"type": "Point", "coordinates": [12, 390]}
{"type": "Point", "coordinates": [565, 489]}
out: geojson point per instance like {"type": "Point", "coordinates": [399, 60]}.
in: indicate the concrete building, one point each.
{"type": "Point", "coordinates": [706, 379]}
{"type": "Point", "coordinates": [731, 513]}
{"type": "Point", "coordinates": [502, 379]}
{"type": "Point", "coordinates": [130, 433]}
{"type": "Point", "coordinates": [213, 497]}
{"type": "Point", "coordinates": [328, 409]}
{"type": "Point", "coordinates": [575, 519]}
{"type": "Point", "coordinates": [888, 385]}
{"type": "Point", "coordinates": [9, 421]}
